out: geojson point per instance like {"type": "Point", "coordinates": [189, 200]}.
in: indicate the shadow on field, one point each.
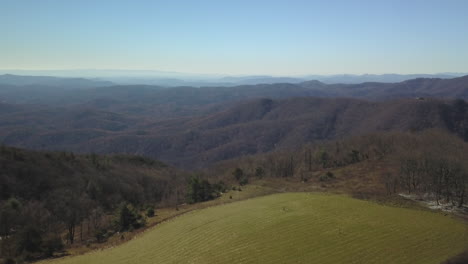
{"type": "Point", "coordinates": [460, 259]}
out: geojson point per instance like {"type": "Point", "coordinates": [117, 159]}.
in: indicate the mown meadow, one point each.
{"type": "Point", "coordinates": [293, 228]}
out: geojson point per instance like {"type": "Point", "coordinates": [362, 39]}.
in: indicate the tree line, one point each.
{"type": "Point", "coordinates": [433, 163]}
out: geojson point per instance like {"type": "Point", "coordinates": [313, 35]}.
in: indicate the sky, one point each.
{"type": "Point", "coordinates": [236, 37]}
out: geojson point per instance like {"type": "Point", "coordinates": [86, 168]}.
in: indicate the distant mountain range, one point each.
{"type": "Point", "coordinates": [383, 78]}
{"type": "Point", "coordinates": [336, 79]}
{"type": "Point", "coordinates": [162, 78]}
{"type": "Point", "coordinates": [50, 90]}
{"type": "Point", "coordinates": [193, 127]}
{"type": "Point", "coordinates": [66, 83]}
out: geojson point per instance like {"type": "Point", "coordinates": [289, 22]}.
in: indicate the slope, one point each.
{"type": "Point", "coordinates": [294, 228]}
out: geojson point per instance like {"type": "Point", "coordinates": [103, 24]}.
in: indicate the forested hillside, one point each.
{"type": "Point", "coordinates": [432, 164]}
{"type": "Point", "coordinates": [46, 197]}
{"type": "Point", "coordinates": [254, 126]}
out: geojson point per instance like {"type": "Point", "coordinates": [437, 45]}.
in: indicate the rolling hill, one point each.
{"type": "Point", "coordinates": [293, 228]}
{"type": "Point", "coordinates": [51, 197]}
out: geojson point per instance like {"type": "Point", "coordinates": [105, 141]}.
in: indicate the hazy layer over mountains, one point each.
{"type": "Point", "coordinates": [65, 83]}
{"type": "Point", "coordinates": [50, 90]}
{"type": "Point", "coordinates": [162, 78]}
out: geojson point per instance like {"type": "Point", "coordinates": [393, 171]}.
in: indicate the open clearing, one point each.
{"type": "Point", "coordinates": [293, 228]}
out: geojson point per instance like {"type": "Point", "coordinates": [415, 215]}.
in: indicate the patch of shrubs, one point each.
{"type": "Point", "coordinates": [201, 190]}
{"type": "Point", "coordinates": [241, 177]}
{"type": "Point", "coordinates": [327, 176]}
{"type": "Point", "coordinates": [150, 211]}
{"type": "Point", "coordinates": [128, 218]}
{"type": "Point", "coordinates": [101, 235]}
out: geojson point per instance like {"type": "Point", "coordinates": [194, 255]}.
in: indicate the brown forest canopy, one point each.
{"type": "Point", "coordinates": [255, 126]}
{"type": "Point", "coordinates": [45, 192]}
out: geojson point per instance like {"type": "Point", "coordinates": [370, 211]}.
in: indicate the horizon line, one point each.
{"type": "Point", "coordinates": [228, 74]}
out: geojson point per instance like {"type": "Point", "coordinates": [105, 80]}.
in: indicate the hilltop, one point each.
{"type": "Point", "coordinates": [293, 227]}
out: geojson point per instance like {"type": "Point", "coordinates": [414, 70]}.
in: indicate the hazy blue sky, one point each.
{"type": "Point", "coordinates": [237, 37]}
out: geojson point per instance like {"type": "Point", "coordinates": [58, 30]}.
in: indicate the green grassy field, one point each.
{"type": "Point", "coordinates": [293, 228]}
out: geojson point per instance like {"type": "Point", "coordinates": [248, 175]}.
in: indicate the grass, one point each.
{"type": "Point", "coordinates": [293, 228]}
{"type": "Point", "coordinates": [165, 213]}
